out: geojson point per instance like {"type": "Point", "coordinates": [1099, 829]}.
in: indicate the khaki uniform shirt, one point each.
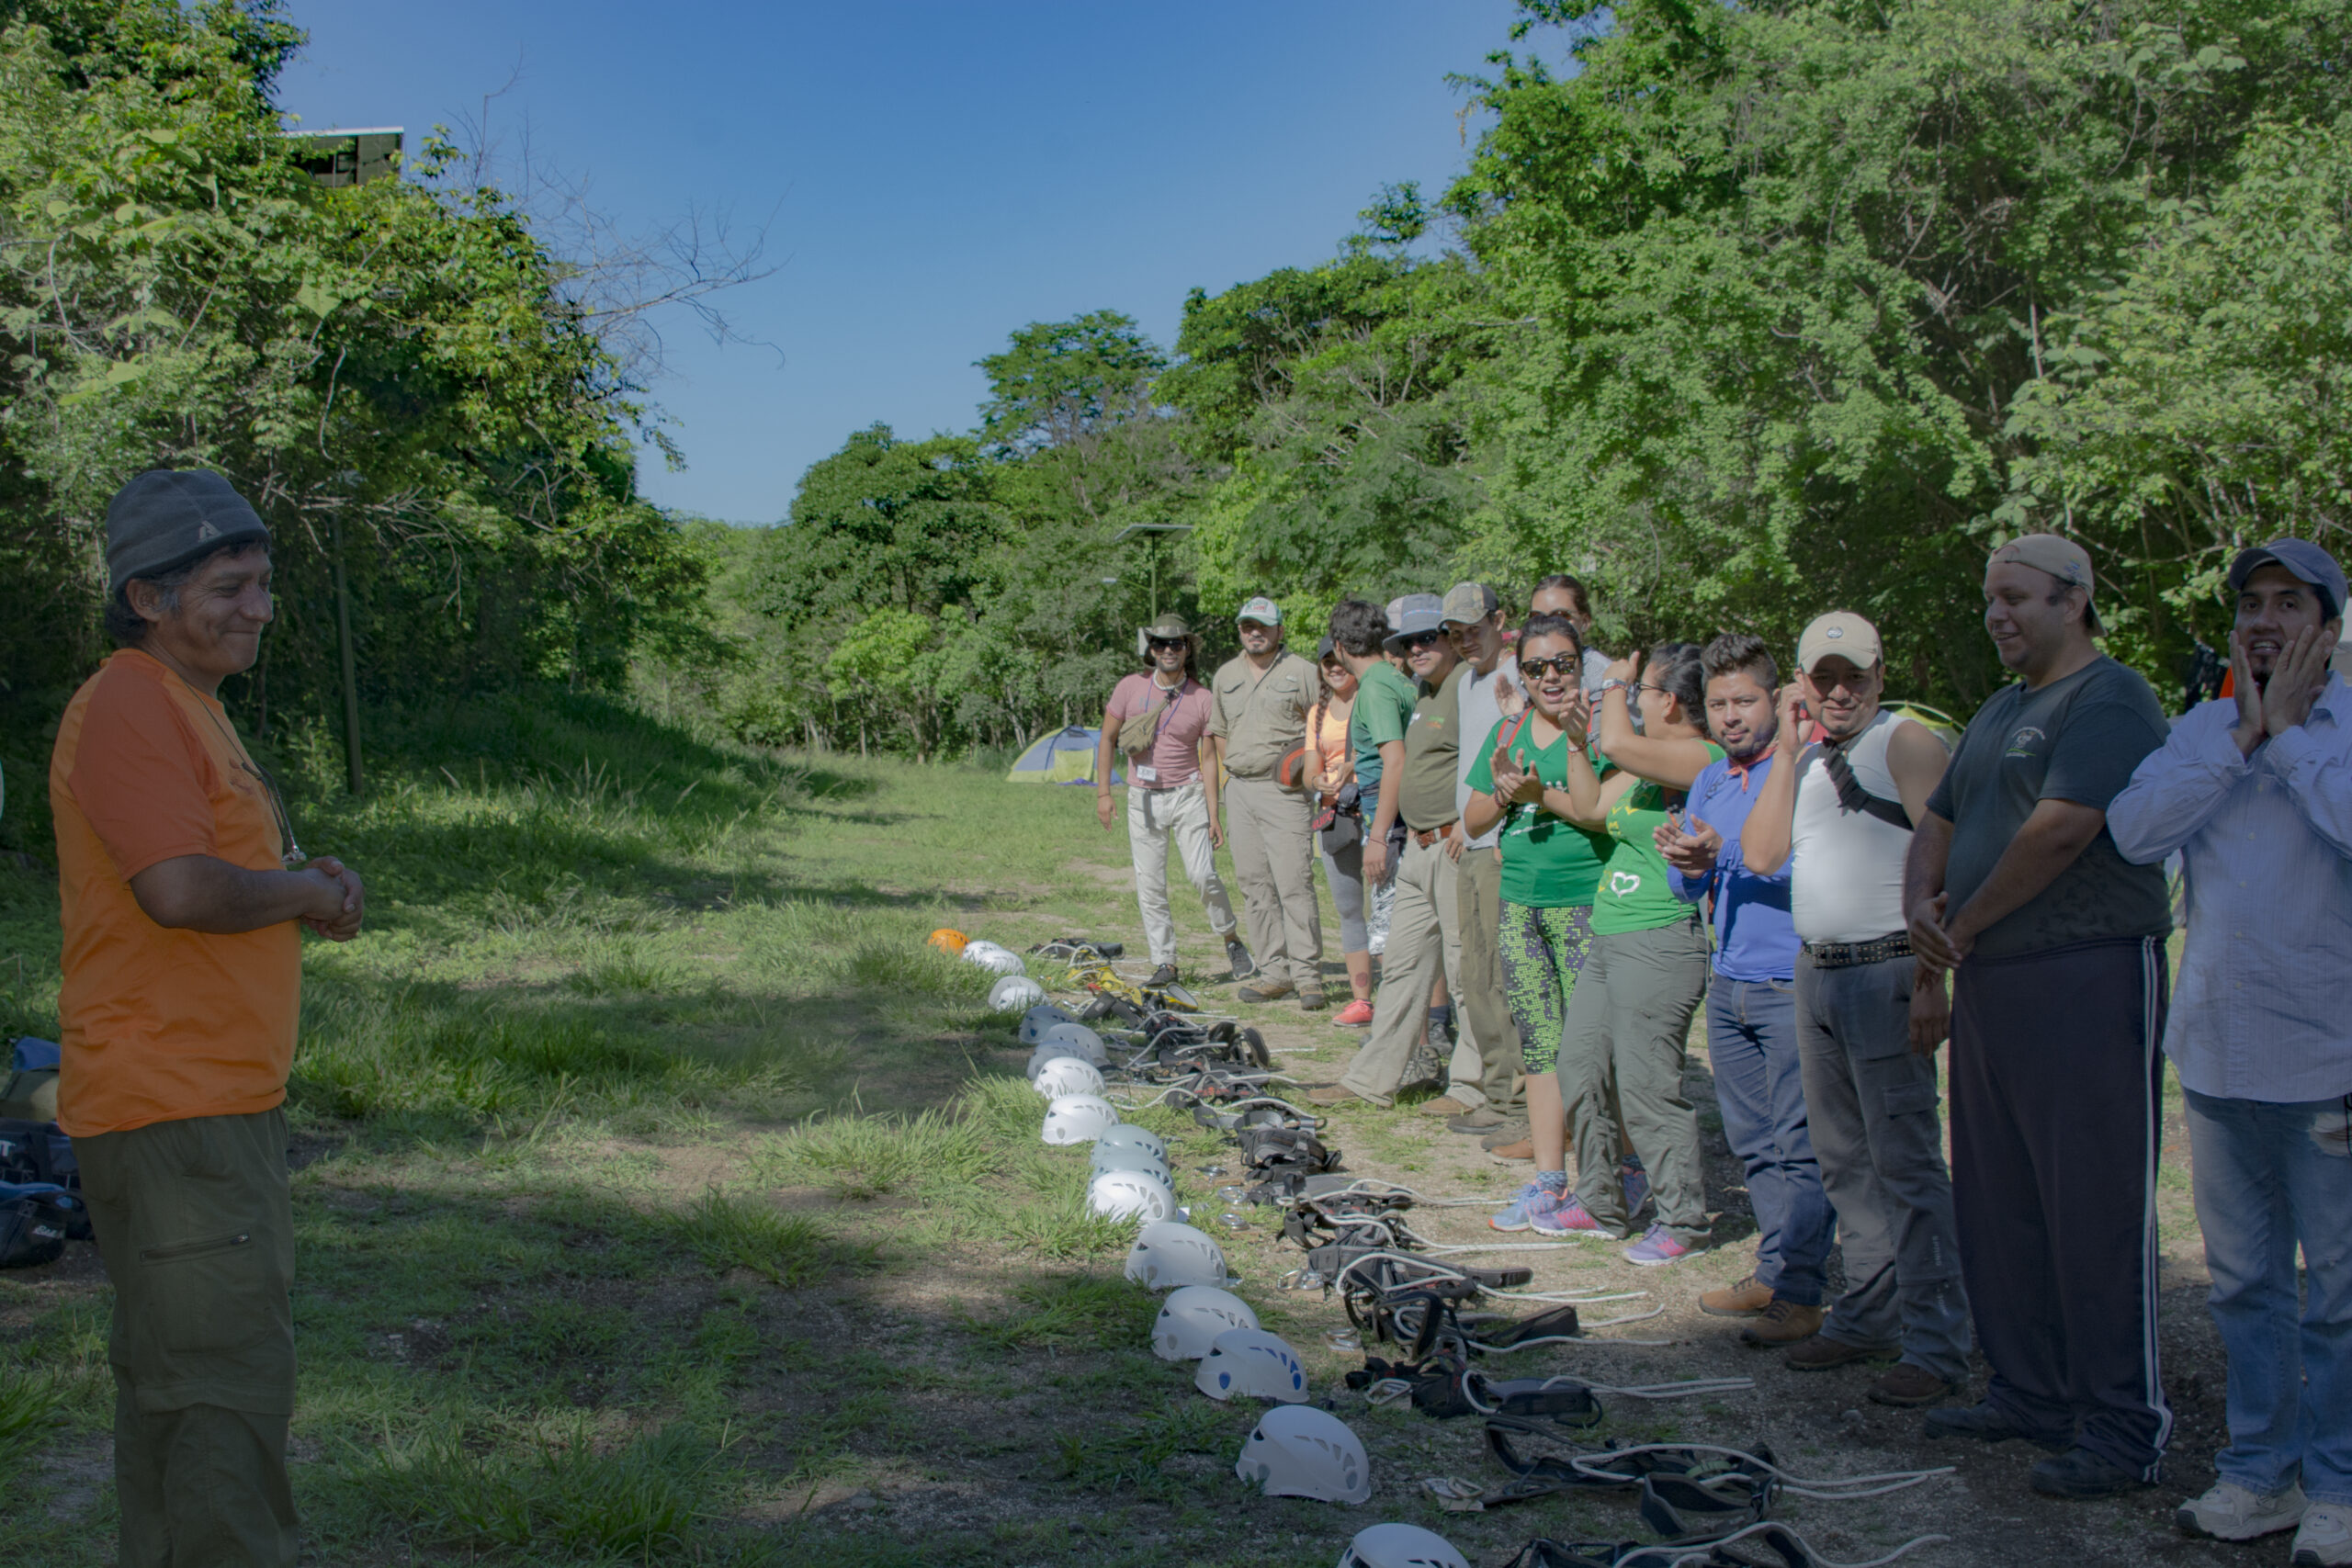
{"type": "Point", "coordinates": [1262, 719]}
{"type": "Point", "coordinates": [1432, 756]}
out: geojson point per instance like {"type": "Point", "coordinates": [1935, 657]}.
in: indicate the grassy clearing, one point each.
{"type": "Point", "coordinates": [664, 1199]}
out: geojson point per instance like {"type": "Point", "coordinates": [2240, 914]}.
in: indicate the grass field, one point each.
{"type": "Point", "coordinates": [664, 1199]}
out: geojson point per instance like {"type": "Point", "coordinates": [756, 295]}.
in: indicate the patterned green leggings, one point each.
{"type": "Point", "coordinates": [1543, 951]}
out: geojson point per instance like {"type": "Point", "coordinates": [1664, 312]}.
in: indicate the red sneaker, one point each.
{"type": "Point", "coordinates": [1357, 1014]}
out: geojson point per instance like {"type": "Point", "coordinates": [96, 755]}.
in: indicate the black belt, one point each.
{"type": "Point", "coordinates": [1846, 954]}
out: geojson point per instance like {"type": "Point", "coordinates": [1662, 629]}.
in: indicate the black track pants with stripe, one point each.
{"type": "Point", "coordinates": [2056, 1108]}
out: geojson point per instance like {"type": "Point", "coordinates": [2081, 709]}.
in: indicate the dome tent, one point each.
{"type": "Point", "coordinates": [1064, 756]}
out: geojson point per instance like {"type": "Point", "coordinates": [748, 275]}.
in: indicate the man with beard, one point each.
{"type": "Point", "coordinates": [1751, 1002]}
{"type": "Point", "coordinates": [2256, 793]}
{"type": "Point", "coordinates": [1837, 818]}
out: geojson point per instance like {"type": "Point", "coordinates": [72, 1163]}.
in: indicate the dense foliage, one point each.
{"type": "Point", "coordinates": [395, 374]}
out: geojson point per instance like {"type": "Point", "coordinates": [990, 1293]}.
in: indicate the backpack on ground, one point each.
{"type": "Point", "coordinates": [36, 1220]}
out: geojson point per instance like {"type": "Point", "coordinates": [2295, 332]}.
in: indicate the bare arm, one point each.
{"type": "Point", "coordinates": [1384, 815]}
{"type": "Point", "coordinates": [1673, 761]}
{"type": "Point", "coordinates": [1923, 892]}
{"type": "Point", "coordinates": [1103, 767]}
{"type": "Point", "coordinates": [2057, 832]}
{"type": "Point", "coordinates": [200, 892]}
{"type": "Point", "coordinates": [1764, 842]}
{"type": "Point", "coordinates": [1918, 761]}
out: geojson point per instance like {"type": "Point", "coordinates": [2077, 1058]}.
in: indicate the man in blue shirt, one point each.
{"type": "Point", "coordinates": [2256, 793]}
{"type": "Point", "coordinates": [1751, 1005]}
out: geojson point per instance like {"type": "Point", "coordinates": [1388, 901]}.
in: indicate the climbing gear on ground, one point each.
{"type": "Point", "coordinates": [1169, 1253]}
{"type": "Point", "coordinates": [1192, 1317]}
{"type": "Point", "coordinates": [1078, 1118]}
{"type": "Point", "coordinates": [1076, 950]}
{"type": "Point", "coordinates": [1296, 1450]}
{"type": "Point", "coordinates": [1251, 1363]}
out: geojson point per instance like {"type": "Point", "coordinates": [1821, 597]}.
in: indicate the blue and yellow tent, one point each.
{"type": "Point", "coordinates": [1064, 756]}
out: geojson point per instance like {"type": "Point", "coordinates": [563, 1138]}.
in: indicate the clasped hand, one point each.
{"type": "Point", "coordinates": [341, 902]}
{"type": "Point", "coordinates": [1691, 846]}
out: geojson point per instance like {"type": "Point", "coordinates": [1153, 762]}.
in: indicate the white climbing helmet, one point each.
{"type": "Point", "coordinates": [1038, 1019]}
{"type": "Point", "coordinates": [1076, 1041]}
{"type": "Point", "coordinates": [1055, 1050]}
{"type": "Point", "coordinates": [1169, 1253]}
{"type": "Point", "coordinates": [1251, 1363]}
{"type": "Point", "coordinates": [1192, 1317]}
{"type": "Point", "coordinates": [1127, 1157]}
{"type": "Point", "coordinates": [1014, 992]}
{"type": "Point", "coordinates": [1296, 1450]}
{"type": "Point", "coordinates": [1078, 1118]}
{"type": "Point", "coordinates": [1400, 1546]}
{"type": "Point", "coordinates": [1130, 1195]}
{"type": "Point", "coordinates": [989, 955]}
{"type": "Point", "coordinates": [1127, 1136]}
{"type": "Point", "coordinates": [1066, 1075]}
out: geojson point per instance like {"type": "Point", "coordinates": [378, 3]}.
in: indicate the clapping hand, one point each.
{"type": "Point", "coordinates": [1691, 846]}
{"type": "Point", "coordinates": [1513, 784]}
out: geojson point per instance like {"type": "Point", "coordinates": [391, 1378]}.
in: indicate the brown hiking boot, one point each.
{"type": "Point", "coordinates": [1503, 1153]}
{"type": "Point", "coordinates": [1264, 991]}
{"type": "Point", "coordinates": [1746, 1299]}
{"type": "Point", "coordinates": [1782, 1322]}
{"type": "Point", "coordinates": [1820, 1353]}
{"type": "Point", "coordinates": [1443, 1105]}
{"type": "Point", "coordinates": [1310, 998]}
{"type": "Point", "coordinates": [1908, 1386]}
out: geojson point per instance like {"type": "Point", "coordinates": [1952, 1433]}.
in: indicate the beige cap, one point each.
{"type": "Point", "coordinates": [1840, 632]}
{"type": "Point", "coordinates": [1467, 604]}
{"type": "Point", "coordinates": [2061, 558]}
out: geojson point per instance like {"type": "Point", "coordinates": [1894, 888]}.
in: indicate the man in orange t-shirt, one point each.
{"type": "Point", "coordinates": [182, 907]}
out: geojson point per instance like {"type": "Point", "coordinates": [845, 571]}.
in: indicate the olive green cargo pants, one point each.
{"type": "Point", "coordinates": [196, 1224]}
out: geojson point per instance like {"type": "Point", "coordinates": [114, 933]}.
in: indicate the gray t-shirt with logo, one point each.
{"type": "Point", "coordinates": [2078, 739]}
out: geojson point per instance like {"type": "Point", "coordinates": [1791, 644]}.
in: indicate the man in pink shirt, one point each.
{"type": "Point", "coordinates": [1158, 721]}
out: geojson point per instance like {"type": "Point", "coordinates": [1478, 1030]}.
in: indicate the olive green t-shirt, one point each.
{"type": "Point", "coordinates": [1548, 861]}
{"type": "Point", "coordinates": [1635, 894]}
{"type": "Point", "coordinates": [1432, 757]}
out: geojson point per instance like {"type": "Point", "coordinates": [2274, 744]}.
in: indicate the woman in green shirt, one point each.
{"type": "Point", "coordinates": [1620, 1052]}
{"type": "Point", "coordinates": [1551, 868]}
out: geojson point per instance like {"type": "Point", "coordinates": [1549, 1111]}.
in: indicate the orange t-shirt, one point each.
{"type": "Point", "coordinates": [162, 1025]}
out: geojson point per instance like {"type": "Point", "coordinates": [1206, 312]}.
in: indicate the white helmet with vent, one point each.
{"type": "Point", "coordinates": [1130, 1195]}
{"type": "Point", "coordinates": [1296, 1450]}
{"type": "Point", "coordinates": [1171, 1253]}
{"type": "Point", "coordinates": [1126, 1156]}
{"type": "Point", "coordinates": [989, 955]}
{"type": "Point", "coordinates": [1192, 1317]}
{"type": "Point", "coordinates": [1014, 992]}
{"type": "Point", "coordinates": [1066, 1075]}
{"type": "Point", "coordinates": [1076, 1040]}
{"type": "Point", "coordinates": [1126, 1134]}
{"type": "Point", "coordinates": [1078, 1118]}
{"type": "Point", "coordinates": [1251, 1363]}
{"type": "Point", "coordinates": [1039, 1018]}
{"type": "Point", "coordinates": [1400, 1546]}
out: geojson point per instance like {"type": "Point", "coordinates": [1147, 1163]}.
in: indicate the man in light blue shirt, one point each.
{"type": "Point", "coordinates": [2255, 792]}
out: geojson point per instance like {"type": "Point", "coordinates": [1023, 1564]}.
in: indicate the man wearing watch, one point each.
{"type": "Point", "coordinates": [1158, 721]}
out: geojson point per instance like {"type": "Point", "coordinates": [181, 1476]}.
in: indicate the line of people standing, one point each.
{"type": "Point", "coordinates": [1580, 853]}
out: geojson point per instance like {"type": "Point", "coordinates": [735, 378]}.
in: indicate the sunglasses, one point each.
{"type": "Point", "coordinates": [1161, 642]}
{"type": "Point", "coordinates": [1563, 665]}
{"type": "Point", "coordinates": [1420, 639]}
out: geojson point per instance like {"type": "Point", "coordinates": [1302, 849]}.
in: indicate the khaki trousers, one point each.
{"type": "Point", "coordinates": [1274, 859]}
{"type": "Point", "coordinates": [196, 1224]}
{"type": "Point", "coordinates": [1154, 816]}
{"type": "Point", "coordinates": [1486, 1058]}
{"type": "Point", "coordinates": [1423, 942]}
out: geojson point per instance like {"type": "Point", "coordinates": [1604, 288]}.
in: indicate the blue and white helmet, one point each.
{"type": "Point", "coordinates": [1192, 1318]}
{"type": "Point", "coordinates": [1251, 1363]}
{"type": "Point", "coordinates": [1400, 1546]}
{"type": "Point", "coordinates": [1076, 1040]}
{"type": "Point", "coordinates": [1040, 1018]}
{"type": "Point", "coordinates": [1169, 1253]}
{"type": "Point", "coordinates": [1296, 1450]}
{"type": "Point", "coordinates": [1126, 1134]}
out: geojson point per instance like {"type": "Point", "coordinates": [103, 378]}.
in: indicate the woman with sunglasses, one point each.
{"type": "Point", "coordinates": [1551, 870]}
{"type": "Point", "coordinates": [1622, 1047]}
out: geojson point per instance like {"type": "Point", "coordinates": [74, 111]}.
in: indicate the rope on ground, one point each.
{"type": "Point", "coordinates": [1677, 1556]}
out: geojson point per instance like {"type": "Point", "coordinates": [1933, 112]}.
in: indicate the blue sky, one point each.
{"type": "Point", "coordinates": [933, 175]}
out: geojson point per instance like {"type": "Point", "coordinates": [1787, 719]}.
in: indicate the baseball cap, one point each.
{"type": "Point", "coordinates": [2062, 559]}
{"type": "Point", "coordinates": [1840, 632]}
{"type": "Point", "coordinates": [1468, 603]}
{"type": "Point", "coordinates": [1413, 615]}
{"type": "Point", "coordinates": [2307, 561]}
{"type": "Point", "coordinates": [167, 517]}
{"type": "Point", "coordinates": [1262, 610]}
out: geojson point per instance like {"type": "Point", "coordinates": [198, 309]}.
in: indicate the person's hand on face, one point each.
{"type": "Point", "coordinates": [1690, 845]}
{"type": "Point", "coordinates": [2296, 681]}
{"type": "Point", "coordinates": [1793, 719]}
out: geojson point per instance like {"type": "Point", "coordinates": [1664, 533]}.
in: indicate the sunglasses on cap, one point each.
{"type": "Point", "coordinates": [1420, 639]}
{"type": "Point", "coordinates": [1566, 664]}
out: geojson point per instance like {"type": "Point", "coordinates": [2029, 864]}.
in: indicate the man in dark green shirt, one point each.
{"type": "Point", "coordinates": [1423, 944]}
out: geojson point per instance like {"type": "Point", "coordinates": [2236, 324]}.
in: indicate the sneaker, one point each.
{"type": "Point", "coordinates": [1533, 1199]}
{"type": "Point", "coordinates": [1510, 1154]}
{"type": "Point", "coordinates": [1310, 998]}
{"type": "Point", "coordinates": [1908, 1386]}
{"type": "Point", "coordinates": [1162, 976]}
{"type": "Point", "coordinates": [1238, 956]}
{"type": "Point", "coordinates": [1484, 1119]}
{"type": "Point", "coordinates": [2080, 1473]}
{"type": "Point", "coordinates": [2326, 1538]}
{"type": "Point", "coordinates": [1569, 1217]}
{"type": "Point", "coordinates": [1424, 1067]}
{"type": "Point", "coordinates": [1357, 1014]}
{"type": "Point", "coordinates": [1986, 1425]}
{"type": "Point", "coordinates": [1443, 1105]}
{"type": "Point", "coordinates": [1656, 1248]}
{"type": "Point", "coordinates": [1265, 991]}
{"type": "Point", "coordinates": [1514, 1131]}
{"type": "Point", "coordinates": [1782, 1322]}
{"type": "Point", "coordinates": [2231, 1512]}
{"type": "Point", "coordinates": [1637, 1187]}
{"type": "Point", "coordinates": [1820, 1353]}
{"type": "Point", "coordinates": [1746, 1299]}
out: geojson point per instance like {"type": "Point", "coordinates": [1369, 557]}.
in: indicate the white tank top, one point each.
{"type": "Point", "coordinates": [1846, 867]}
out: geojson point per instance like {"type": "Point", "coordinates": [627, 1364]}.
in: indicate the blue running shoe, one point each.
{"type": "Point", "coordinates": [1533, 1199]}
{"type": "Point", "coordinates": [1637, 1186]}
{"type": "Point", "coordinates": [1656, 1246]}
{"type": "Point", "coordinates": [1568, 1217]}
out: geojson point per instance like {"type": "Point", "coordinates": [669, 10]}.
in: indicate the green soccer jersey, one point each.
{"type": "Point", "coordinates": [1547, 861]}
{"type": "Point", "coordinates": [1635, 893]}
